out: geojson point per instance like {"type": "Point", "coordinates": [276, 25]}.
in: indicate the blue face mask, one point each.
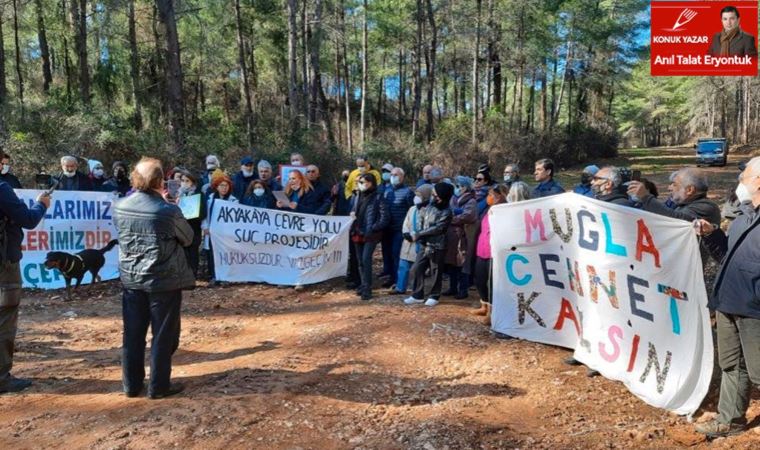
{"type": "Point", "coordinates": [395, 180]}
{"type": "Point", "coordinates": [386, 176]}
{"type": "Point", "coordinates": [457, 191]}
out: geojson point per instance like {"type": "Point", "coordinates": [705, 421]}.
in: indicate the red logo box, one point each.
{"type": "Point", "coordinates": [684, 33]}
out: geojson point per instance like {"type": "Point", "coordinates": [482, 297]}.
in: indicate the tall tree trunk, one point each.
{"type": "Point", "coordinates": [401, 86]}
{"type": "Point", "coordinates": [134, 65]}
{"type": "Point", "coordinates": [347, 79]}
{"type": "Point", "coordinates": [3, 89]}
{"type": "Point", "coordinates": [475, 77]}
{"type": "Point", "coordinates": [417, 77]}
{"type": "Point", "coordinates": [494, 61]}
{"type": "Point", "coordinates": [381, 91]}
{"type": "Point", "coordinates": [317, 92]}
{"type": "Point", "coordinates": [431, 70]}
{"type": "Point", "coordinates": [249, 120]}
{"type": "Point", "coordinates": [173, 74]}
{"type": "Point", "coordinates": [747, 102]}
{"type": "Point", "coordinates": [158, 69]}
{"type": "Point", "coordinates": [365, 75]}
{"type": "Point", "coordinates": [544, 106]}
{"type": "Point", "coordinates": [79, 21]}
{"type": "Point", "coordinates": [19, 76]}
{"type": "Point", "coordinates": [47, 74]}
{"type": "Point", "coordinates": [305, 66]}
{"type": "Point", "coordinates": [293, 94]}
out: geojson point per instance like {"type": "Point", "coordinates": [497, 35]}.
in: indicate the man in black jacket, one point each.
{"type": "Point", "coordinates": [736, 302]}
{"type": "Point", "coordinates": [606, 186]}
{"type": "Point", "coordinates": [5, 172]}
{"type": "Point", "coordinates": [321, 191]}
{"type": "Point", "coordinates": [154, 270]}
{"type": "Point", "coordinates": [14, 215]}
{"type": "Point", "coordinates": [71, 179]}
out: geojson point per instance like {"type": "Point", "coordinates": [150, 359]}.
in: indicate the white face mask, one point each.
{"type": "Point", "coordinates": [296, 163]}
{"type": "Point", "coordinates": [395, 180]}
{"type": "Point", "coordinates": [363, 187]}
{"type": "Point", "coordinates": [211, 166]}
{"type": "Point", "coordinates": [69, 174]}
{"type": "Point", "coordinates": [507, 178]}
{"type": "Point", "coordinates": [742, 193]}
{"type": "Point", "coordinates": [246, 172]}
{"type": "Point", "coordinates": [6, 168]}
{"type": "Point", "coordinates": [99, 172]}
{"type": "Point", "coordinates": [258, 192]}
{"type": "Point", "coordinates": [417, 200]}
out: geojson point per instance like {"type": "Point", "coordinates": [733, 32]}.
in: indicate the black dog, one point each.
{"type": "Point", "coordinates": [75, 266]}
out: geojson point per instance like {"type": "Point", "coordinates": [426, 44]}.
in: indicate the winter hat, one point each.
{"type": "Point", "coordinates": [591, 169]}
{"type": "Point", "coordinates": [424, 192]}
{"type": "Point", "coordinates": [246, 160]}
{"type": "Point", "coordinates": [463, 181]}
{"type": "Point", "coordinates": [444, 191]}
{"type": "Point", "coordinates": [218, 177]}
{"type": "Point", "coordinates": [93, 164]}
{"type": "Point", "coordinates": [387, 167]}
{"type": "Point", "coordinates": [119, 164]}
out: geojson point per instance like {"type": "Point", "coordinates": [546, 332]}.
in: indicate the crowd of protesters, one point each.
{"type": "Point", "coordinates": [436, 230]}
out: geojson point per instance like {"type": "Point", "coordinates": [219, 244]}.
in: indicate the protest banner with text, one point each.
{"type": "Point", "coordinates": [74, 222]}
{"type": "Point", "coordinates": [622, 287]}
{"type": "Point", "coordinates": [277, 247]}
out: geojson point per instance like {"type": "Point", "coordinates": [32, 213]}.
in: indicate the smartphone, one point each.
{"type": "Point", "coordinates": [636, 175]}
{"type": "Point", "coordinates": [172, 187]}
{"type": "Point", "coordinates": [43, 181]}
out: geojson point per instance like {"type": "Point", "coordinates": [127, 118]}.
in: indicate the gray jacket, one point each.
{"type": "Point", "coordinates": [152, 234]}
{"type": "Point", "coordinates": [433, 227]}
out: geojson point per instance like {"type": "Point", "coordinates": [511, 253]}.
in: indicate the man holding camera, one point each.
{"type": "Point", "coordinates": [14, 215]}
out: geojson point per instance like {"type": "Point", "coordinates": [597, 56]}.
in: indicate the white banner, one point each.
{"type": "Point", "coordinates": [277, 247]}
{"type": "Point", "coordinates": [74, 222]}
{"type": "Point", "coordinates": [621, 286]}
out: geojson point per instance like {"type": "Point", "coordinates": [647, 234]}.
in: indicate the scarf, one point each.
{"type": "Point", "coordinates": [725, 40]}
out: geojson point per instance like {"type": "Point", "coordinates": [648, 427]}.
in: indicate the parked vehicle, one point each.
{"type": "Point", "coordinates": [711, 151]}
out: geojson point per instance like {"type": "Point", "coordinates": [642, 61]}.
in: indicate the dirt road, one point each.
{"type": "Point", "coordinates": [278, 369]}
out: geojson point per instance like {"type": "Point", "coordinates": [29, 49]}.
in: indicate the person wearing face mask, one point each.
{"type": "Point", "coordinates": [301, 193]}
{"type": "Point", "coordinates": [511, 173]}
{"type": "Point", "coordinates": [362, 166]}
{"type": "Point", "coordinates": [5, 172]}
{"type": "Point", "coordinates": [432, 239]}
{"type": "Point", "coordinates": [736, 303]}
{"type": "Point", "coordinates": [120, 180]}
{"type": "Point", "coordinates": [212, 163]}
{"type": "Point", "coordinates": [220, 189]}
{"type": "Point", "coordinates": [481, 186]}
{"type": "Point", "coordinates": [460, 234]}
{"type": "Point", "coordinates": [243, 178]}
{"type": "Point", "coordinates": [399, 198]}
{"type": "Point", "coordinates": [321, 192]}
{"type": "Point", "coordinates": [258, 195]}
{"type": "Point", "coordinates": [189, 187]}
{"type": "Point", "coordinates": [342, 205]}
{"type": "Point", "coordinates": [296, 159]}
{"type": "Point", "coordinates": [584, 188]}
{"type": "Point", "coordinates": [606, 184]}
{"type": "Point", "coordinates": [97, 174]}
{"type": "Point", "coordinates": [71, 179]}
{"type": "Point", "coordinates": [409, 249]}
{"type": "Point", "coordinates": [372, 218]}
{"type": "Point", "coordinates": [385, 175]}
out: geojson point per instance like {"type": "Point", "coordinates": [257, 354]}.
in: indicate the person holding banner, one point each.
{"type": "Point", "coordinates": [258, 195]}
{"type": "Point", "coordinates": [220, 189]}
{"type": "Point", "coordinates": [736, 303]}
{"type": "Point", "coordinates": [71, 179]}
{"type": "Point", "coordinates": [265, 175]}
{"type": "Point", "coordinates": [432, 238]}
{"type": "Point", "coordinates": [482, 271]}
{"type": "Point", "coordinates": [244, 177]}
{"type": "Point", "coordinates": [372, 217]}
{"type": "Point", "coordinates": [14, 216]}
{"type": "Point", "coordinates": [605, 186]}
{"type": "Point", "coordinates": [154, 270]}
{"type": "Point", "coordinates": [120, 181]}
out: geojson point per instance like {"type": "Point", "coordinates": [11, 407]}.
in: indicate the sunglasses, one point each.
{"type": "Point", "coordinates": [480, 179]}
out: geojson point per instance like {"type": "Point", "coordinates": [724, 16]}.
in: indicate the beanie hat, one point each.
{"type": "Point", "coordinates": [424, 192]}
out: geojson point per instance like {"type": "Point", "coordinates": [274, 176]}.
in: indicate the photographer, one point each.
{"type": "Point", "coordinates": [14, 215]}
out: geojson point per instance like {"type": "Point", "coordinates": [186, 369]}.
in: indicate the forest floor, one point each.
{"type": "Point", "coordinates": [275, 368]}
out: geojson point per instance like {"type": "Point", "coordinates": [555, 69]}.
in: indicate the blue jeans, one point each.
{"type": "Point", "coordinates": [160, 310]}
{"type": "Point", "coordinates": [402, 277]}
{"type": "Point", "coordinates": [392, 241]}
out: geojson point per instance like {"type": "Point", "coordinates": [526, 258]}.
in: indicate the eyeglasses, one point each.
{"type": "Point", "coordinates": [311, 171]}
{"type": "Point", "coordinates": [480, 179]}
